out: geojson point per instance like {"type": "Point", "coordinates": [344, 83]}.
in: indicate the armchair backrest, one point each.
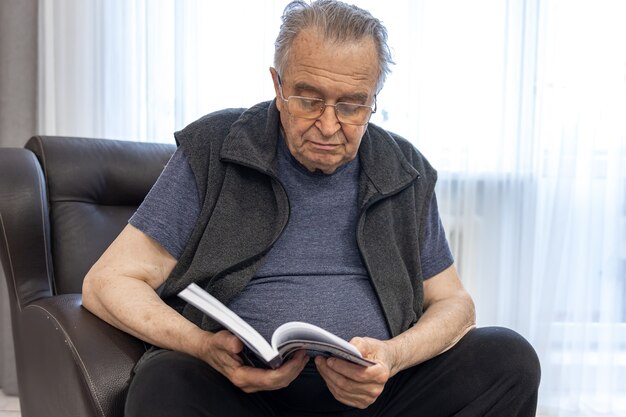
{"type": "Point", "coordinates": [93, 187]}
{"type": "Point", "coordinates": [62, 202]}
{"type": "Point", "coordinates": [78, 194]}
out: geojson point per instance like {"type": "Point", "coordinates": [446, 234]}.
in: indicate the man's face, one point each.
{"type": "Point", "coordinates": [334, 73]}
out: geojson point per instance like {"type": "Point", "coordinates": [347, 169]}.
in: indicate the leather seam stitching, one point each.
{"type": "Point", "coordinates": [76, 355]}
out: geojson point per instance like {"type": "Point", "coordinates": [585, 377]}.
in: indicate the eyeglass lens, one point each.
{"type": "Point", "coordinates": [309, 108]}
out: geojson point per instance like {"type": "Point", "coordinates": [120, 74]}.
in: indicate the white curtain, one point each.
{"type": "Point", "coordinates": [141, 69]}
{"type": "Point", "coordinates": [520, 104]}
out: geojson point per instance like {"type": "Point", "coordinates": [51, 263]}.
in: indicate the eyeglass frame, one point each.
{"type": "Point", "coordinates": [373, 107]}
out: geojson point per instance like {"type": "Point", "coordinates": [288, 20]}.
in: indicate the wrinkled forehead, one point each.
{"type": "Point", "coordinates": [351, 61]}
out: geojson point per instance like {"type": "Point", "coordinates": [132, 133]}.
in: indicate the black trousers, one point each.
{"type": "Point", "coordinates": [491, 372]}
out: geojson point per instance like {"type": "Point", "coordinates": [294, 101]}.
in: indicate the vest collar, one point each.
{"type": "Point", "coordinates": [384, 163]}
{"type": "Point", "coordinates": [252, 141]}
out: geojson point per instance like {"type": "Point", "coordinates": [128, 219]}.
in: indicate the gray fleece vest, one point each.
{"type": "Point", "coordinates": [244, 209]}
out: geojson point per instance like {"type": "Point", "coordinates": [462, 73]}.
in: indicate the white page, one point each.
{"type": "Point", "coordinates": [211, 306]}
{"type": "Point", "coordinates": [297, 330]}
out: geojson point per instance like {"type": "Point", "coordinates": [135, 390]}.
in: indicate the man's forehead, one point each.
{"type": "Point", "coordinates": [311, 41]}
{"type": "Point", "coordinates": [351, 62]}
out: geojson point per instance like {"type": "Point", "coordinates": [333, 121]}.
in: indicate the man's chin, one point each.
{"type": "Point", "coordinates": [327, 163]}
{"type": "Point", "coordinates": [326, 167]}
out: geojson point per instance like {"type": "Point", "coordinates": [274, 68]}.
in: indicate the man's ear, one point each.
{"type": "Point", "coordinates": [275, 80]}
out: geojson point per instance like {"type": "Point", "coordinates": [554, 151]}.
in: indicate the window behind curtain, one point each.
{"type": "Point", "coordinates": [520, 105]}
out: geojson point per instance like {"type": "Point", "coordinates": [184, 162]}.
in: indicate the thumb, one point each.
{"type": "Point", "coordinates": [362, 345]}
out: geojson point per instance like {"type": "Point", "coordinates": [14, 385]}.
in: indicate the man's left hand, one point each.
{"type": "Point", "coordinates": [355, 385]}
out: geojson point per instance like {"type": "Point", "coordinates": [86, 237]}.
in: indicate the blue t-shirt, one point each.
{"type": "Point", "coordinates": [314, 272]}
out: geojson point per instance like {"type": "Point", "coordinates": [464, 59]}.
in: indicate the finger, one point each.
{"type": "Point", "coordinates": [255, 379]}
{"type": "Point", "coordinates": [336, 368]}
{"type": "Point", "coordinates": [292, 368]}
{"type": "Point", "coordinates": [222, 354]}
{"type": "Point", "coordinates": [369, 348]}
{"type": "Point", "coordinates": [355, 395]}
{"type": "Point", "coordinates": [225, 362]}
{"type": "Point", "coordinates": [228, 341]}
{"type": "Point", "coordinates": [338, 384]}
{"type": "Point", "coordinates": [349, 369]}
{"type": "Point", "coordinates": [348, 391]}
{"type": "Point", "coordinates": [351, 394]}
{"type": "Point", "coordinates": [361, 345]}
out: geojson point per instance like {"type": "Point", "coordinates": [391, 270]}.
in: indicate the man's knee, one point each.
{"type": "Point", "coordinates": [506, 356]}
{"type": "Point", "coordinates": [172, 368]}
{"type": "Point", "coordinates": [163, 381]}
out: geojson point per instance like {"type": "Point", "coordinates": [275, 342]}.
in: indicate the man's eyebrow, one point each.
{"type": "Point", "coordinates": [358, 97]}
{"type": "Point", "coordinates": [302, 86]}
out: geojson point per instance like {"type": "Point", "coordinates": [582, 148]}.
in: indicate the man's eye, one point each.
{"type": "Point", "coordinates": [348, 109]}
{"type": "Point", "coordinates": [310, 104]}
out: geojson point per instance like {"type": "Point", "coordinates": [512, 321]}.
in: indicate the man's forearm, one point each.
{"type": "Point", "coordinates": [120, 289]}
{"type": "Point", "coordinates": [135, 308]}
{"type": "Point", "coordinates": [442, 325]}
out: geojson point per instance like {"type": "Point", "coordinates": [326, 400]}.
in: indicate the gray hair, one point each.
{"type": "Point", "coordinates": [336, 21]}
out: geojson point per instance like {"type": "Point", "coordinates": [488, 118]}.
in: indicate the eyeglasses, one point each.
{"type": "Point", "coordinates": [312, 108]}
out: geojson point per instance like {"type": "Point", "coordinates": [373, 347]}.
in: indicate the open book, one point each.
{"type": "Point", "coordinates": [286, 339]}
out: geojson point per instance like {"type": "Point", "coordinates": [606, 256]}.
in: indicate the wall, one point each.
{"type": "Point", "coordinates": [18, 121]}
{"type": "Point", "coordinates": [18, 71]}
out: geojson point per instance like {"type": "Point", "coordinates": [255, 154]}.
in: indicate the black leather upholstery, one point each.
{"type": "Point", "coordinates": [62, 201]}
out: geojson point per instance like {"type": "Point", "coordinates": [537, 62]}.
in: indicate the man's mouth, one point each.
{"type": "Point", "coordinates": [324, 145]}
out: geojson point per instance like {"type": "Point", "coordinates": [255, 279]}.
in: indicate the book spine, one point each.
{"type": "Point", "coordinates": [276, 362]}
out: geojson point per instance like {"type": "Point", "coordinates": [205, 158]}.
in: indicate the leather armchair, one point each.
{"type": "Point", "coordinates": [62, 201]}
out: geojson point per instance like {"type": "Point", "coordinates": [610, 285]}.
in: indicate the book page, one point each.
{"type": "Point", "coordinates": [299, 335]}
{"type": "Point", "coordinates": [211, 306]}
{"type": "Point", "coordinates": [321, 348]}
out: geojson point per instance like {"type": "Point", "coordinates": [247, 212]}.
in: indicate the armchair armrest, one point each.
{"type": "Point", "coordinates": [80, 363]}
{"type": "Point", "coordinates": [24, 228]}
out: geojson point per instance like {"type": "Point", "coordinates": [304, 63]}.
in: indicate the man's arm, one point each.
{"type": "Point", "coordinates": [448, 315]}
{"type": "Point", "coordinates": [120, 289]}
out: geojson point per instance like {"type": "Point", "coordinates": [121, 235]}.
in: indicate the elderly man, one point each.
{"type": "Point", "coordinates": [298, 209]}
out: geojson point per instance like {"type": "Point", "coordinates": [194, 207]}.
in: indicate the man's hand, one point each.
{"type": "Point", "coordinates": [448, 316]}
{"type": "Point", "coordinates": [221, 352]}
{"type": "Point", "coordinates": [355, 385]}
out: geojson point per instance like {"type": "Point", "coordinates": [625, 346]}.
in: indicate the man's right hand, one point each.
{"type": "Point", "coordinates": [221, 351]}
{"type": "Point", "coordinates": [121, 289]}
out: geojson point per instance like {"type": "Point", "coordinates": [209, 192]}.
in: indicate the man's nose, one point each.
{"type": "Point", "coordinates": [328, 123]}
